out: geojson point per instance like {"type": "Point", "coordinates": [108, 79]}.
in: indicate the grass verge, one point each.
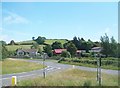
{"type": "Point", "coordinates": [71, 77]}
{"type": "Point", "coordinates": [91, 65]}
{"type": "Point", "coordinates": [17, 66]}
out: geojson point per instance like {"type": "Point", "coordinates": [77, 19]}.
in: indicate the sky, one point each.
{"type": "Point", "coordinates": [58, 20]}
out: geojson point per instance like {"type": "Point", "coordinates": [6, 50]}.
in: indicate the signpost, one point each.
{"type": "Point", "coordinates": [98, 68]}
{"type": "Point", "coordinates": [44, 56]}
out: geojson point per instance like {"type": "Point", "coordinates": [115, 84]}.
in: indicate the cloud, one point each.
{"type": "Point", "coordinates": [13, 18]}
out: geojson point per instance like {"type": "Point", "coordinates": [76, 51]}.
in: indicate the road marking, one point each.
{"type": "Point", "coordinates": [27, 75]}
{"type": "Point", "coordinates": [17, 76]}
{"type": "Point", "coordinates": [5, 78]}
{"type": "Point", "coordinates": [49, 68]}
{"type": "Point", "coordinates": [59, 68]}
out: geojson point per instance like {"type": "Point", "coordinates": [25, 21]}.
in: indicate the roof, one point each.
{"type": "Point", "coordinates": [96, 48]}
{"type": "Point", "coordinates": [59, 51]}
{"type": "Point", "coordinates": [79, 51]}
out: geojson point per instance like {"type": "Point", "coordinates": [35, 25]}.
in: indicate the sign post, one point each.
{"type": "Point", "coordinates": [99, 69]}
{"type": "Point", "coordinates": [44, 56]}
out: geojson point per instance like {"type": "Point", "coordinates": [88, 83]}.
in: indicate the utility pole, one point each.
{"type": "Point", "coordinates": [99, 69]}
{"type": "Point", "coordinates": [44, 56]}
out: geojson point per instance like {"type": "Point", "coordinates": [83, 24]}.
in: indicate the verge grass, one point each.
{"type": "Point", "coordinates": [89, 59]}
{"type": "Point", "coordinates": [17, 66]}
{"type": "Point", "coordinates": [71, 77]}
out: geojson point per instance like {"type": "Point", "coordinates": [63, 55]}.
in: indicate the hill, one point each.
{"type": "Point", "coordinates": [47, 41]}
{"type": "Point", "coordinates": [28, 43]}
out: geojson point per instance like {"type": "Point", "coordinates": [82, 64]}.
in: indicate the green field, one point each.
{"type": "Point", "coordinates": [27, 41]}
{"type": "Point", "coordinates": [16, 66]}
{"type": "Point", "coordinates": [50, 41]}
{"type": "Point", "coordinates": [71, 77]}
{"type": "Point", "coordinates": [28, 44]}
{"type": "Point", "coordinates": [14, 47]}
{"type": "Point", "coordinates": [47, 41]}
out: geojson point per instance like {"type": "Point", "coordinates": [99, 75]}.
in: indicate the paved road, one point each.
{"type": "Point", "coordinates": [51, 67]}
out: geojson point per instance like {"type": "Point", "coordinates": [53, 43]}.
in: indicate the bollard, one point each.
{"type": "Point", "coordinates": [14, 80]}
{"type": "Point", "coordinates": [73, 66]}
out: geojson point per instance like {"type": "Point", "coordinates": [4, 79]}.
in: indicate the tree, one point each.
{"type": "Point", "coordinates": [76, 42]}
{"type": "Point", "coordinates": [66, 44]}
{"type": "Point", "coordinates": [33, 38]}
{"type": "Point", "coordinates": [72, 49]}
{"type": "Point", "coordinates": [118, 50]}
{"type": "Point", "coordinates": [40, 40]}
{"type": "Point", "coordinates": [3, 42]}
{"type": "Point", "coordinates": [39, 50]}
{"type": "Point", "coordinates": [4, 52]}
{"type": "Point", "coordinates": [105, 45]}
{"type": "Point", "coordinates": [12, 42]}
{"type": "Point", "coordinates": [48, 50]}
{"type": "Point", "coordinates": [35, 46]}
{"type": "Point", "coordinates": [65, 54]}
{"type": "Point", "coordinates": [57, 45]}
{"type": "Point", "coordinates": [113, 47]}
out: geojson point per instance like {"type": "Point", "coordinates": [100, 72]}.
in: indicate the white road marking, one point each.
{"type": "Point", "coordinates": [59, 68]}
{"type": "Point", "coordinates": [49, 68]}
{"type": "Point", "coordinates": [17, 76]}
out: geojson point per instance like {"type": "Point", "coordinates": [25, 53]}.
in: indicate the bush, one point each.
{"type": "Point", "coordinates": [85, 54]}
{"type": "Point", "coordinates": [61, 59]}
{"type": "Point", "coordinates": [87, 84]}
{"type": "Point", "coordinates": [55, 57]}
{"type": "Point", "coordinates": [65, 54]}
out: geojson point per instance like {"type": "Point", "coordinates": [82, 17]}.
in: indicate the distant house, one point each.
{"type": "Point", "coordinates": [58, 51]}
{"type": "Point", "coordinates": [96, 49]}
{"type": "Point", "coordinates": [79, 52]}
{"type": "Point", "coordinates": [28, 52]}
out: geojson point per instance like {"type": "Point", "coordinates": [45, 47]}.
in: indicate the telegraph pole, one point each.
{"type": "Point", "coordinates": [99, 69]}
{"type": "Point", "coordinates": [44, 56]}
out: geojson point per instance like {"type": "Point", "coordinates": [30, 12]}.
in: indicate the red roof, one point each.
{"type": "Point", "coordinates": [59, 51]}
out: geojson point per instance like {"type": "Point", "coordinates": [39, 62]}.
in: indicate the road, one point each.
{"type": "Point", "coordinates": [51, 68]}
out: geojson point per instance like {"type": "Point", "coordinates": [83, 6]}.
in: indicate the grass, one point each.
{"type": "Point", "coordinates": [27, 41]}
{"type": "Point", "coordinates": [14, 47]}
{"type": "Point", "coordinates": [50, 41]}
{"type": "Point", "coordinates": [90, 65]}
{"type": "Point", "coordinates": [69, 61]}
{"type": "Point", "coordinates": [71, 77]}
{"type": "Point", "coordinates": [16, 66]}
{"type": "Point", "coordinates": [47, 41]}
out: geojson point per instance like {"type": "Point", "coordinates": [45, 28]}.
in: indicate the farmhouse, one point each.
{"type": "Point", "coordinates": [96, 49]}
{"type": "Point", "coordinates": [28, 52]}
{"type": "Point", "coordinates": [58, 51]}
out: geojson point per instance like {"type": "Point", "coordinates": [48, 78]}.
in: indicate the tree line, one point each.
{"type": "Point", "coordinates": [109, 46]}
